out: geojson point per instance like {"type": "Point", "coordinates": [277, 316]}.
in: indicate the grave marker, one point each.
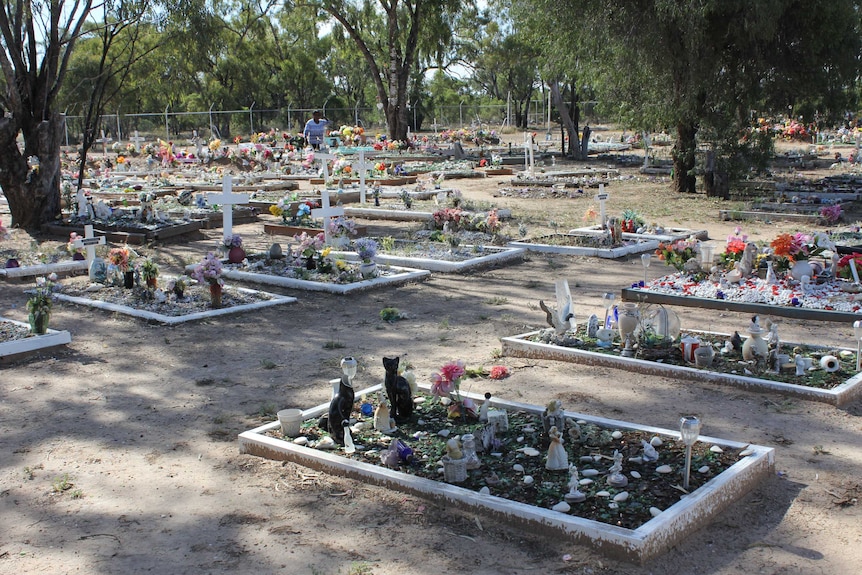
{"type": "Point", "coordinates": [363, 170]}
{"type": "Point", "coordinates": [602, 197]}
{"type": "Point", "coordinates": [325, 162]}
{"type": "Point", "coordinates": [227, 199]}
{"type": "Point", "coordinates": [326, 212]}
{"type": "Point", "coordinates": [89, 242]}
{"type": "Point", "coordinates": [136, 140]}
{"type": "Point", "coordinates": [104, 141]}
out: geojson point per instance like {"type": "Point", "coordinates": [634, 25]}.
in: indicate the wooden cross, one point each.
{"type": "Point", "coordinates": [89, 242]}
{"type": "Point", "coordinates": [228, 200]}
{"type": "Point", "coordinates": [136, 141]}
{"type": "Point", "coordinates": [326, 212]}
{"type": "Point", "coordinates": [104, 141]}
{"type": "Point", "coordinates": [325, 162]}
{"type": "Point", "coordinates": [602, 197]}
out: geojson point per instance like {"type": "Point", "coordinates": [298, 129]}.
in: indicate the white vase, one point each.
{"type": "Point", "coordinates": [628, 321]}
{"type": "Point", "coordinates": [368, 269]}
{"type": "Point", "coordinates": [801, 269]}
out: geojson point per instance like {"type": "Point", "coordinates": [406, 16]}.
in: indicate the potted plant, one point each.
{"type": "Point", "coordinates": [366, 248]}
{"type": "Point", "coordinates": [39, 305]}
{"type": "Point", "coordinates": [150, 273]}
{"type": "Point", "coordinates": [233, 245]}
{"type": "Point", "coordinates": [209, 271]}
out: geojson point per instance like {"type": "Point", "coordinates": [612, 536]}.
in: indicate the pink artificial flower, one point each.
{"type": "Point", "coordinates": [499, 372]}
{"type": "Point", "coordinates": [440, 386]}
{"type": "Point", "coordinates": [453, 371]}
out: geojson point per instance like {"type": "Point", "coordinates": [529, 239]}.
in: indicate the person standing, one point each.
{"type": "Point", "coordinates": [315, 130]}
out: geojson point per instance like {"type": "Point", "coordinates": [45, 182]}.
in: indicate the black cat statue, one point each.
{"type": "Point", "coordinates": [342, 403]}
{"type": "Point", "coordinates": [398, 391]}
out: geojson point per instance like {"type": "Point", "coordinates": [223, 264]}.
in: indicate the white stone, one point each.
{"type": "Point", "coordinates": [590, 472]}
{"type": "Point", "coordinates": [585, 481]}
{"type": "Point", "coordinates": [301, 440]}
{"type": "Point", "coordinates": [518, 467]}
{"type": "Point", "coordinates": [485, 491]}
{"type": "Point", "coordinates": [620, 497]}
{"type": "Point", "coordinates": [520, 439]}
{"type": "Point", "coordinates": [635, 474]}
{"type": "Point", "coordinates": [746, 452]}
{"type": "Point", "coordinates": [326, 443]}
{"type": "Point", "coordinates": [617, 434]}
{"type": "Point", "coordinates": [655, 511]}
{"type": "Point", "coordinates": [716, 449]}
{"type": "Point", "coordinates": [528, 429]}
{"type": "Point", "coordinates": [703, 469]}
{"type": "Point", "coordinates": [420, 422]}
{"type": "Point", "coordinates": [93, 287]}
{"type": "Point", "coordinates": [603, 494]}
{"type": "Point", "coordinates": [444, 433]}
{"type": "Point", "coordinates": [562, 507]}
{"type": "Point", "coordinates": [530, 452]}
{"type": "Point", "coordinates": [664, 469]}
{"type": "Point", "coordinates": [845, 353]}
{"type": "Point", "coordinates": [636, 459]}
{"type": "Point", "coordinates": [613, 505]}
{"type": "Point", "coordinates": [528, 480]}
{"type": "Point", "coordinates": [656, 441]}
{"type": "Point", "coordinates": [587, 458]}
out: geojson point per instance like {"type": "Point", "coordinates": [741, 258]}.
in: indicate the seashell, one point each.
{"type": "Point", "coordinates": [326, 443]}
{"type": "Point", "coordinates": [620, 497]}
{"type": "Point", "coordinates": [585, 481]}
{"type": "Point", "coordinates": [746, 452]}
{"type": "Point", "coordinates": [590, 472]}
{"type": "Point", "coordinates": [418, 400]}
{"type": "Point", "coordinates": [656, 441]}
{"type": "Point", "coordinates": [603, 494]}
{"type": "Point", "coordinates": [562, 507]}
{"type": "Point", "coordinates": [613, 505]}
{"type": "Point", "coordinates": [635, 474]}
{"type": "Point", "coordinates": [528, 480]}
{"type": "Point", "coordinates": [617, 434]}
{"type": "Point", "coordinates": [530, 452]}
{"type": "Point", "coordinates": [703, 469]}
{"type": "Point", "coordinates": [655, 511]}
{"type": "Point", "coordinates": [485, 491]}
{"type": "Point", "coordinates": [716, 449]}
{"type": "Point", "coordinates": [518, 467]}
{"type": "Point", "coordinates": [581, 422]}
{"type": "Point", "coordinates": [444, 433]}
{"type": "Point", "coordinates": [301, 440]}
{"type": "Point", "coordinates": [93, 287]}
{"type": "Point", "coordinates": [663, 469]}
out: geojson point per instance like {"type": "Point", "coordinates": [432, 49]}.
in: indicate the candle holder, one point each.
{"type": "Point", "coordinates": [689, 430]}
{"type": "Point", "coordinates": [645, 262]}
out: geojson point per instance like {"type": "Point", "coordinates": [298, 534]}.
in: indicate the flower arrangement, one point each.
{"type": "Point", "coordinates": [209, 270]}
{"type": "Point", "coordinates": [800, 246]}
{"type": "Point", "coordinates": [844, 269]}
{"type": "Point", "coordinates": [342, 227]}
{"type": "Point", "coordinates": [342, 167]}
{"type": "Point", "coordinates": [734, 247]}
{"type": "Point", "coordinates": [677, 253]}
{"type": "Point", "coordinates": [441, 217]}
{"type": "Point", "coordinates": [310, 245]}
{"type": "Point", "coordinates": [499, 372]}
{"type": "Point", "coordinates": [177, 285]}
{"type": "Point", "coordinates": [366, 248]}
{"type": "Point", "coordinates": [42, 299]}
{"type": "Point", "coordinates": [447, 383]}
{"type": "Point", "coordinates": [590, 215]}
{"type": "Point", "coordinates": [149, 270]}
{"type": "Point", "coordinates": [234, 241]}
{"type": "Point", "coordinates": [70, 247]}
{"type": "Point", "coordinates": [831, 214]}
{"type": "Point", "coordinates": [120, 257]}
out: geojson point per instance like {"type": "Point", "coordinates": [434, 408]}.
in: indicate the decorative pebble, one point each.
{"type": "Point", "coordinates": [443, 433]}
{"type": "Point", "coordinates": [326, 443]}
{"type": "Point", "coordinates": [597, 457]}
{"type": "Point", "coordinates": [485, 491]}
{"type": "Point", "coordinates": [663, 469]}
{"type": "Point", "coordinates": [528, 480]}
{"type": "Point", "coordinates": [654, 511]}
{"type": "Point", "coordinates": [418, 400]}
{"type": "Point", "coordinates": [635, 474]}
{"type": "Point", "coordinates": [518, 467]}
{"type": "Point", "coordinates": [530, 452]}
{"type": "Point", "coordinates": [617, 434]}
{"type": "Point", "coordinates": [656, 441]}
{"type": "Point", "coordinates": [590, 472]}
{"type": "Point", "coordinates": [587, 458]}
{"type": "Point", "coordinates": [603, 493]}
{"type": "Point", "coordinates": [439, 471]}
{"type": "Point", "coordinates": [93, 287]}
{"type": "Point", "coordinates": [636, 459]}
{"type": "Point", "coordinates": [620, 497]}
{"type": "Point", "coordinates": [845, 353]}
{"type": "Point", "coordinates": [716, 449]}
{"type": "Point", "coordinates": [703, 469]}
{"type": "Point", "coordinates": [746, 452]}
{"type": "Point", "coordinates": [585, 481]}
{"type": "Point", "coordinates": [496, 454]}
{"type": "Point", "coordinates": [613, 505]}
{"type": "Point", "coordinates": [562, 507]}
{"type": "Point", "coordinates": [420, 422]}
{"type": "Point", "coordinates": [528, 429]}
{"type": "Point", "coordinates": [581, 422]}
{"type": "Point", "coordinates": [301, 440]}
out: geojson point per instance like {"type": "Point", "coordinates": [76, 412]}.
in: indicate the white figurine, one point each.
{"type": "Point", "coordinates": [382, 421]}
{"type": "Point", "coordinates": [557, 457]}
{"type": "Point", "coordinates": [483, 410]}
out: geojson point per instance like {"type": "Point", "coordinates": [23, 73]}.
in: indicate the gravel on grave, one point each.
{"type": "Point", "coordinates": [12, 332]}
{"type": "Point", "coordinates": [196, 297]}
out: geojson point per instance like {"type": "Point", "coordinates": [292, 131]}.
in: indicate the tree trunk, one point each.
{"type": "Point", "coordinates": [571, 128]}
{"type": "Point", "coordinates": [715, 180]}
{"type": "Point", "coordinates": [33, 194]}
{"type": "Point", "coordinates": [684, 177]}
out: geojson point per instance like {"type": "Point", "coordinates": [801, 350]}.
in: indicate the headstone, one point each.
{"type": "Point", "coordinates": [89, 242]}
{"type": "Point", "coordinates": [602, 197]}
{"type": "Point", "coordinates": [326, 212]}
{"type": "Point", "coordinates": [227, 200]}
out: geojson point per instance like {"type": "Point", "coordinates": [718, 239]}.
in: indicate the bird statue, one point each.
{"type": "Point", "coordinates": [559, 320]}
{"type": "Point", "coordinates": [649, 454]}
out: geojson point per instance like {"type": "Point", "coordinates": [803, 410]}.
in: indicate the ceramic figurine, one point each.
{"type": "Point", "coordinates": [397, 390]}
{"type": "Point", "coordinates": [342, 404]}
{"type": "Point", "coordinates": [616, 478]}
{"type": "Point", "coordinates": [483, 411]}
{"type": "Point", "coordinates": [382, 421]}
{"type": "Point", "coordinates": [557, 457]}
{"type": "Point", "coordinates": [746, 264]}
{"type": "Point", "coordinates": [649, 453]}
{"type": "Point", "coordinates": [489, 438]}
{"type": "Point", "coordinates": [453, 449]}
{"type": "Point", "coordinates": [801, 364]}
{"type": "Point", "coordinates": [574, 496]}
{"type": "Point", "coordinates": [553, 416]}
{"type": "Point", "coordinates": [559, 320]}
{"type": "Point", "coordinates": [592, 325]}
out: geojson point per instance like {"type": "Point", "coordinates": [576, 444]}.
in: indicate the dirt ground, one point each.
{"type": "Point", "coordinates": [139, 422]}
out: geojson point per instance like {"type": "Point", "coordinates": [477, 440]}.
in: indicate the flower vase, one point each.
{"type": "Point", "coordinates": [628, 320]}
{"type": "Point", "coordinates": [454, 470]}
{"type": "Point", "coordinates": [215, 295]}
{"type": "Point", "coordinates": [152, 283]}
{"type": "Point", "coordinates": [801, 269]}
{"type": "Point", "coordinates": [310, 264]}
{"type": "Point", "coordinates": [368, 269]}
{"type": "Point", "coordinates": [235, 255]}
{"type": "Point", "coordinates": [129, 279]}
{"type": "Point", "coordinates": [38, 322]}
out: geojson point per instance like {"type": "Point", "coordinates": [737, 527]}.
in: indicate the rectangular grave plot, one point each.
{"type": "Point", "coordinates": [556, 243]}
{"type": "Point", "coordinates": [651, 539]}
{"type": "Point", "coordinates": [17, 349]}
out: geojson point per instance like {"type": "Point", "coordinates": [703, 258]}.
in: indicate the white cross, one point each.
{"type": "Point", "coordinates": [363, 169]}
{"type": "Point", "coordinates": [528, 153]}
{"type": "Point", "coordinates": [227, 199]}
{"type": "Point", "coordinates": [104, 141]}
{"type": "Point", "coordinates": [602, 197]}
{"type": "Point", "coordinates": [324, 161]}
{"type": "Point", "coordinates": [89, 242]}
{"type": "Point", "coordinates": [137, 140]}
{"type": "Point", "coordinates": [326, 212]}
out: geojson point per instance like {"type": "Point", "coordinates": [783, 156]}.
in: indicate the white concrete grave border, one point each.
{"type": "Point", "coordinates": [492, 255]}
{"type": "Point", "coordinates": [275, 299]}
{"type": "Point", "coordinates": [608, 253]}
{"type": "Point", "coordinates": [521, 346]}
{"type": "Point", "coordinates": [53, 338]}
{"type": "Point", "coordinates": [637, 545]}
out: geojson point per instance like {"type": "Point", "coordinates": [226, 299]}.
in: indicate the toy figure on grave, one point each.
{"type": "Point", "coordinates": [397, 390]}
{"type": "Point", "coordinates": [341, 405]}
{"type": "Point", "coordinates": [315, 129]}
